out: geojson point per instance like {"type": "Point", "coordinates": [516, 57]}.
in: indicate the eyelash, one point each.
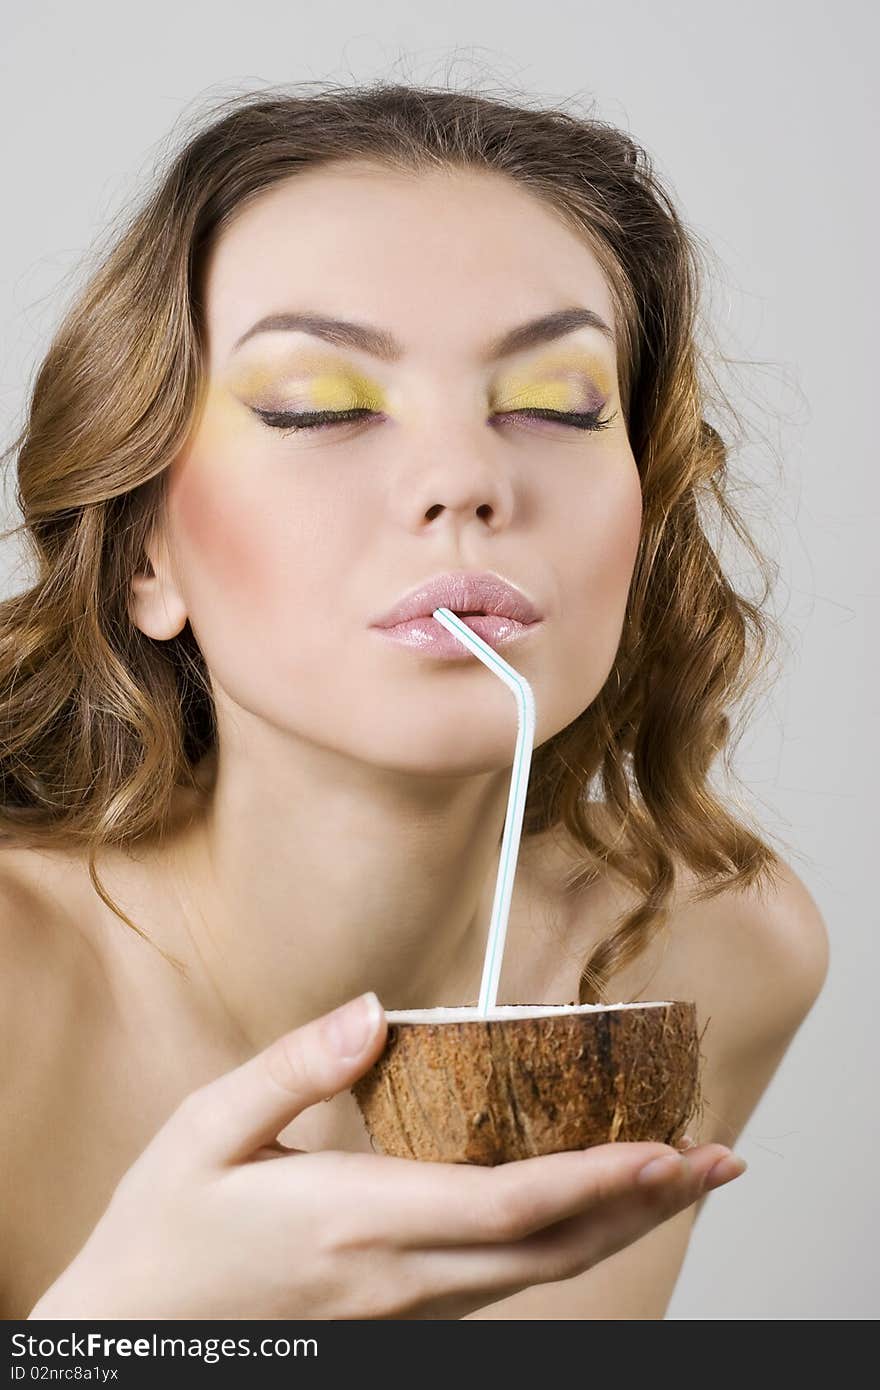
{"type": "Point", "coordinates": [322, 419]}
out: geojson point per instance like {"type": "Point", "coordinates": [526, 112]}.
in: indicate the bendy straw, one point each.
{"type": "Point", "coordinates": [516, 801]}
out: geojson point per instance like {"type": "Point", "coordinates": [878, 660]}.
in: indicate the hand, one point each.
{"type": "Point", "coordinates": [216, 1219]}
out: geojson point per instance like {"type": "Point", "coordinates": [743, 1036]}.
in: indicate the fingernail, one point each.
{"type": "Point", "coordinates": [686, 1142]}
{"type": "Point", "coordinates": [351, 1026]}
{"type": "Point", "coordinates": [660, 1169]}
{"type": "Point", "coordinates": [725, 1170]}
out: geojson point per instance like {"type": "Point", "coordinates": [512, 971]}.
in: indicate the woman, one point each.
{"type": "Point", "coordinates": [355, 341]}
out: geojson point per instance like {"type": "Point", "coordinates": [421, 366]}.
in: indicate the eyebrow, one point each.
{"type": "Point", "coordinates": [380, 343]}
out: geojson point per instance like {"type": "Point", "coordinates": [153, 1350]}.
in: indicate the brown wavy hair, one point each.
{"type": "Point", "coordinates": [100, 725]}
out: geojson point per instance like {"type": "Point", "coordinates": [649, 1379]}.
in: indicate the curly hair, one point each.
{"type": "Point", "coordinates": [100, 725]}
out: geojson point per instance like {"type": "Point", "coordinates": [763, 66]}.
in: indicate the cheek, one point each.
{"type": "Point", "coordinates": [216, 533]}
{"type": "Point", "coordinates": [610, 524]}
{"type": "Point", "coordinates": [227, 530]}
{"type": "Point", "coordinates": [601, 544]}
{"type": "Point", "coordinates": [618, 541]}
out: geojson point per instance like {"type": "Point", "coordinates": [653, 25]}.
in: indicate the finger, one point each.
{"type": "Point", "coordinates": [243, 1110]}
{"type": "Point", "coordinates": [559, 1251]}
{"type": "Point", "coordinates": [417, 1204]}
{"type": "Point", "coordinates": [590, 1238]}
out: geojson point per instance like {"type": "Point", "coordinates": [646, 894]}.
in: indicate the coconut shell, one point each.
{"type": "Point", "coordinates": [531, 1080]}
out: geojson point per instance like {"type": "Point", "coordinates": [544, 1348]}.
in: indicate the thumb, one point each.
{"type": "Point", "coordinates": [229, 1118]}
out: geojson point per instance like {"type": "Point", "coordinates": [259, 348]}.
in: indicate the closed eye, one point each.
{"type": "Point", "coordinates": [291, 423]}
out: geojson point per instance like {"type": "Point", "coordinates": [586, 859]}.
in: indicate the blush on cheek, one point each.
{"type": "Point", "coordinates": [212, 509]}
{"type": "Point", "coordinates": [221, 543]}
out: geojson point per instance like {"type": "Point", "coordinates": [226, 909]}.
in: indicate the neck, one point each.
{"type": "Point", "coordinates": [291, 902]}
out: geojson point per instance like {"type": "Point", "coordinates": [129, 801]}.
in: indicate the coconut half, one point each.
{"type": "Point", "coordinates": [454, 1086]}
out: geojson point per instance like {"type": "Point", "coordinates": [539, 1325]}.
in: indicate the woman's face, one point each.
{"type": "Point", "coordinates": [284, 547]}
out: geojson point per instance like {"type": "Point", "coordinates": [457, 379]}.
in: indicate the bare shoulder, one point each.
{"type": "Point", "coordinates": [29, 930]}
{"type": "Point", "coordinates": [48, 974]}
{"type": "Point", "coordinates": [38, 892]}
{"type": "Point", "coordinates": [756, 956]}
{"type": "Point", "coordinates": [55, 1143]}
{"type": "Point", "coordinates": [754, 961]}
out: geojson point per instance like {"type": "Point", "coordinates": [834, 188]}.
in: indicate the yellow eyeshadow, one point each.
{"type": "Point", "coordinates": [344, 391]}
{"type": "Point", "coordinates": [327, 389]}
{"type": "Point", "coordinates": [560, 381]}
{"type": "Point", "coordinates": [564, 379]}
{"type": "Point", "coordinates": [545, 395]}
{"type": "Point", "coordinates": [574, 360]}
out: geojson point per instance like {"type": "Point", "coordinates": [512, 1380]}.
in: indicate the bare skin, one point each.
{"type": "Point", "coordinates": [93, 1113]}
{"type": "Point", "coordinates": [365, 783]}
{"type": "Point", "coordinates": [348, 838]}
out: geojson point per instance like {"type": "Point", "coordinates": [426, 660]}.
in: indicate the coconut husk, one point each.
{"type": "Point", "coordinates": [452, 1086]}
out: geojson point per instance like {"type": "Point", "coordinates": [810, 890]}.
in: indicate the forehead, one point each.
{"type": "Point", "coordinates": [446, 260]}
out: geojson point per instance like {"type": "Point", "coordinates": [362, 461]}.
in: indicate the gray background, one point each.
{"type": "Point", "coordinates": [763, 119]}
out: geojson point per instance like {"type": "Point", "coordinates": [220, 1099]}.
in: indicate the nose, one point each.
{"type": "Point", "coordinates": [462, 487]}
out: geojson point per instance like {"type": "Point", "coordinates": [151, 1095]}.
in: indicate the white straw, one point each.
{"type": "Point", "coordinates": [516, 801]}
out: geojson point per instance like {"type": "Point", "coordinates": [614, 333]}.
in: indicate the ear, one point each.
{"type": "Point", "coordinates": [156, 605]}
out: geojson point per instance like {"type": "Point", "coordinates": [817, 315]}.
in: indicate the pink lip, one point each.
{"type": "Point", "coordinates": [484, 595]}
{"type": "Point", "coordinates": [427, 635]}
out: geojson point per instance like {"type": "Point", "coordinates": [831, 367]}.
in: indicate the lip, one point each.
{"type": "Point", "coordinates": [432, 638]}
{"type": "Point", "coordinates": [463, 592]}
